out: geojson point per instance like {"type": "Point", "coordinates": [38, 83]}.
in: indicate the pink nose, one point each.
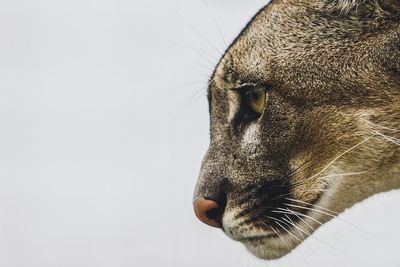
{"type": "Point", "coordinates": [208, 211]}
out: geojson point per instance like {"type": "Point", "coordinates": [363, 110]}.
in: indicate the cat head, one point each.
{"type": "Point", "coordinates": [304, 120]}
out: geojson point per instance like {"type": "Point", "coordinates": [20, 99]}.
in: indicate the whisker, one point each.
{"type": "Point", "coordinates": [280, 237]}
{"type": "Point", "coordinates": [313, 205]}
{"type": "Point", "coordinates": [282, 196]}
{"type": "Point", "coordinates": [192, 83]}
{"type": "Point", "coordinates": [309, 226]}
{"type": "Point", "coordinates": [333, 216]}
{"type": "Point", "coordinates": [298, 228]}
{"type": "Point", "coordinates": [200, 34]}
{"type": "Point", "coordinates": [208, 57]}
{"type": "Point", "coordinates": [301, 219]}
{"type": "Point", "coordinates": [290, 233]}
{"type": "Point", "coordinates": [193, 67]}
{"type": "Point", "coordinates": [303, 182]}
{"type": "Point", "coordinates": [339, 156]}
{"type": "Point", "coordinates": [312, 209]}
{"type": "Point", "coordinates": [389, 138]}
{"type": "Point", "coordinates": [344, 174]}
{"type": "Point", "coordinates": [302, 214]}
{"type": "Point", "coordinates": [380, 126]}
{"type": "Point", "coordinates": [216, 22]}
{"type": "Point", "coordinates": [304, 164]}
{"type": "Point", "coordinates": [326, 244]}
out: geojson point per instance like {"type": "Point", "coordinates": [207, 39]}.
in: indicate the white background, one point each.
{"type": "Point", "coordinates": [104, 122]}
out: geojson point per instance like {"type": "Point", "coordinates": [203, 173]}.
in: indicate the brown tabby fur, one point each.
{"type": "Point", "coordinates": [329, 136]}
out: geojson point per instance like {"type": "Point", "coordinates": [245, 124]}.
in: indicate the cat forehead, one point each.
{"type": "Point", "coordinates": [250, 58]}
{"type": "Point", "coordinates": [285, 39]}
{"type": "Point", "coordinates": [244, 64]}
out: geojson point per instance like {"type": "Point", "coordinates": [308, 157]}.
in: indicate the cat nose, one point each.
{"type": "Point", "coordinates": [209, 211]}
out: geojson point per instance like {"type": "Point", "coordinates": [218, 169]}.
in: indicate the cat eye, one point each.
{"type": "Point", "coordinates": [255, 99]}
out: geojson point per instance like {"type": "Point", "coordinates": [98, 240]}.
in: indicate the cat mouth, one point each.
{"type": "Point", "coordinates": [252, 237]}
{"type": "Point", "coordinates": [255, 238]}
{"type": "Point", "coordinates": [279, 234]}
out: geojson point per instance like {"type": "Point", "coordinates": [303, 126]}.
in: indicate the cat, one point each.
{"type": "Point", "coordinates": [304, 120]}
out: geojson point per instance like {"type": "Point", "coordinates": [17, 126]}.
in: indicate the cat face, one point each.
{"type": "Point", "coordinates": [304, 120]}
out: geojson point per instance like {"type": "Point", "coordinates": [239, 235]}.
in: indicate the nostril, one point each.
{"type": "Point", "coordinates": [214, 214]}
{"type": "Point", "coordinates": [209, 211]}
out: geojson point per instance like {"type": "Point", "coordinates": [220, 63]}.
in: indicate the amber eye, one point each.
{"type": "Point", "coordinates": [256, 99]}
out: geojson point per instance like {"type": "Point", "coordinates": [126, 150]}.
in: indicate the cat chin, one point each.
{"type": "Point", "coordinates": [269, 249]}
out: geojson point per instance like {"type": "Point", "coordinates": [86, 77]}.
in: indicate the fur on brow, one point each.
{"type": "Point", "coordinates": [372, 7]}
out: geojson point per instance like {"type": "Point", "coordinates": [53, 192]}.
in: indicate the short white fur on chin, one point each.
{"type": "Point", "coordinates": [239, 233]}
{"type": "Point", "coordinates": [274, 247]}
{"type": "Point", "coordinates": [269, 249]}
{"type": "Point", "coordinates": [230, 222]}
